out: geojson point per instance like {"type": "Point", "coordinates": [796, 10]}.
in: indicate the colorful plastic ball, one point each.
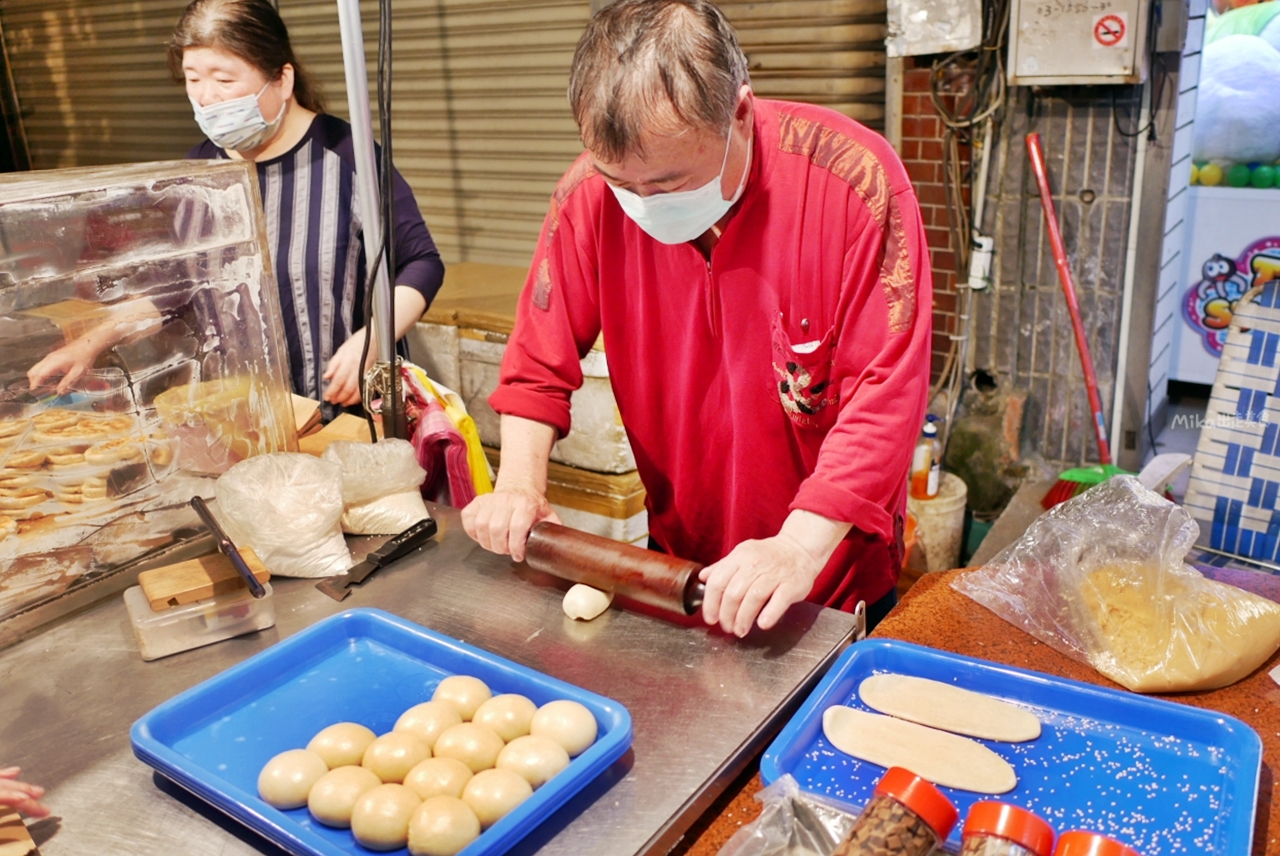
{"type": "Point", "coordinates": [1211, 175]}
{"type": "Point", "coordinates": [1195, 174]}
{"type": "Point", "coordinates": [1238, 175]}
{"type": "Point", "coordinates": [1263, 176]}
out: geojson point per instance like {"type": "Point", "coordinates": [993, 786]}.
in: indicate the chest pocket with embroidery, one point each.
{"type": "Point", "coordinates": [803, 376]}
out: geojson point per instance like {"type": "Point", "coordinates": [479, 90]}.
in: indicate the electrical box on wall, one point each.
{"type": "Point", "coordinates": [1073, 42]}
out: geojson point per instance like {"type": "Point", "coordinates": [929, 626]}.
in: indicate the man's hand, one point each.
{"type": "Point", "coordinates": [500, 521]}
{"type": "Point", "coordinates": [21, 796]}
{"type": "Point", "coordinates": [760, 579]}
{"type": "Point", "coordinates": [343, 373]}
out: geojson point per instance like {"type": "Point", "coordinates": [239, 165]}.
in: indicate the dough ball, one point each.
{"type": "Point", "coordinates": [508, 715]}
{"type": "Point", "coordinates": [394, 754]}
{"type": "Point", "coordinates": [585, 603]}
{"type": "Point", "coordinates": [493, 793]}
{"type": "Point", "coordinates": [287, 778]}
{"type": "Point", "coordinates": [566, 722]}
{"type": "Point", "coordinates": [438, 776]}
{"type": "Point", "coordinates": [535, 759]}
{"type": "Point", "coordinates": [442, 826]}
{"type": "Point", "coordinates": [473, 745]}
{"type": "Point", "coordinates": [463, 692]}
{"type": "Point", "coordinates": [428, 720]}
{"type": "Point", "coordinates": [342, 745]}
{"type": "Point", "coordinates": [334, 797]}
{"type": "Point", "coordinates": [380, 820]}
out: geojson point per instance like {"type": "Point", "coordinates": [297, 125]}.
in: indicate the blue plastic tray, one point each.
{"type": "Point", "coordinates": [364, 666]}
{"type": "Point", "coordinates": [1161, 777]}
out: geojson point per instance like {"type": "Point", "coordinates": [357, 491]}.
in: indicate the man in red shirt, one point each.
{"type": "Point", "coordinates": [758, 271]}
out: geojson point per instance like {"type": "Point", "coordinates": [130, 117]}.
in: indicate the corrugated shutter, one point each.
{"type": "Point", "coordinates": [828, 52]}
{"type": "Point", "coordinates": [92, 81]}
{"type": "Point", "coordinates": [482, 127]}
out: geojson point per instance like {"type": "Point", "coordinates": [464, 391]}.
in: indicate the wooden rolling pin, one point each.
{"type": "Point", "coordinates": [642, 575]}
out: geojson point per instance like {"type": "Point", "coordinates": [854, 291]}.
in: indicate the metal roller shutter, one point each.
{"type": "Point", "coordinates": [482, 127]}
{"type": "Point", "coordinates": [92, 81]}
{"type": "Point", "coordinates": [828, 52]}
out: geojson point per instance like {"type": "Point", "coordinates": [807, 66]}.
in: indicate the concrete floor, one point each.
{"type": "Point", "coordinates": [1182, 433]}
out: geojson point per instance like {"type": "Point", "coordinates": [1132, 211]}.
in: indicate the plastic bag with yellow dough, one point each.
{"type": "Point", "coordinates": [1218, 633]}
{"type": "Point", "coordinates": [1102, 579]}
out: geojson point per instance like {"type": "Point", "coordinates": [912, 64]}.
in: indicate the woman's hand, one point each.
{"type": "Point", "coordinates": [343, 374]}
{"type": "Point", "coordinates": [21, 796]}
{"type": "Point", "coordinates": [69, 363]}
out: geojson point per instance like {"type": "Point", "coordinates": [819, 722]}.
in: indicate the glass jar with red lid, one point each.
{"type": "Point", "coordinates": [1080, 843]}
{"type": "Point", "coordinates": [1000, 829]}
{"type": "Point", "coordinates": [907, 816]}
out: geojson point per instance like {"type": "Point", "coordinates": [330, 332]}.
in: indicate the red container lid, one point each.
{"type": "Point", "coordinates": [921, 797]}
{"type": "Point", "coordinates": [1010, 823]}
{"type": "Point", "coordinates": [1080, 843]}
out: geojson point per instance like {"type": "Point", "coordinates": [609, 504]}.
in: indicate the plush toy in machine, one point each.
{"type": "Point", "coordinates": [1237, 112]}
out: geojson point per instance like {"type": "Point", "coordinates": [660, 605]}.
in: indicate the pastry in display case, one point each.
{"type": "Point", "coordinates": [141, 355]}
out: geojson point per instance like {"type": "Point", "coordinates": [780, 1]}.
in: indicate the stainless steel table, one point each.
{"type": "Point", "coordinates": [702, 703]}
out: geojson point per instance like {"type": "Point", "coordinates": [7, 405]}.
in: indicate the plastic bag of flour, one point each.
{"type": "Point", "coordinates": [380, 486]}
{"type": "Point", "coordinates": [286, 506]}
{"type": "Point", "coordinates": [1101, 578]}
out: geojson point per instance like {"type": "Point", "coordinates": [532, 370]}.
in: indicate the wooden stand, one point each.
{"type": "Point", "coordinates": [197, 579]}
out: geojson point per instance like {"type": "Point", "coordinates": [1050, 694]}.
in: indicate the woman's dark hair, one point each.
{"type": "Point", "coordinates": [250, 29]}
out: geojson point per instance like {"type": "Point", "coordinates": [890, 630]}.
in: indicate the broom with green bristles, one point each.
{"type": "Point", "coordinates": [1077, 481]}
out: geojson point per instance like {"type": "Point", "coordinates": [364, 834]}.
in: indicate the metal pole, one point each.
{"type": "Point", "coordinates": [381, 325]}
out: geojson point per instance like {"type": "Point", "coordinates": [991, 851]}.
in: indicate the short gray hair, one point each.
{"type": "Point", "coordinates": [654, 64]}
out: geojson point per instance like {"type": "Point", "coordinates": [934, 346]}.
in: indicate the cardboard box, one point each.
{"type": "Point", "coordinates": [610, 505]}
{"type": "Point", "coordinates": [461, 340]}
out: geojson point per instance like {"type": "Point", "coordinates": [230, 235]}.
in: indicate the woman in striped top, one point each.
{"type": "Point", "coordinates": [256, 103]}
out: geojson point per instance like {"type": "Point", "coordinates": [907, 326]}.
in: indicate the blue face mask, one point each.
{"type": "Point", "coordinates": [674, 218]}
{"type": "Point", "coordinates": [237, 124]}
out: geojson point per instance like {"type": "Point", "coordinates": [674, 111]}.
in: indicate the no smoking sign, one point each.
{"type": "Point", "coordinates": [1111, 30]}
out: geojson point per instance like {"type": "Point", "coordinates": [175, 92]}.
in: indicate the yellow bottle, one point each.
{"type": "Point", "coordinates": [926, 464]}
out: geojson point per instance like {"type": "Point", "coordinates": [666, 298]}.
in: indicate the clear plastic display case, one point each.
{"type": "Point", "coordinates": [141, 355]}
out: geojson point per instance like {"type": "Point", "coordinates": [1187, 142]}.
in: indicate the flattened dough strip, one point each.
{"type": "Point", "coordinates": [948, 707]}
{"type": "Point", "coordinates": [942, 758]}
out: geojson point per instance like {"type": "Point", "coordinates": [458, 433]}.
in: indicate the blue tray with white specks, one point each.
{"type": "Point", "coordinates": [1161, 777]}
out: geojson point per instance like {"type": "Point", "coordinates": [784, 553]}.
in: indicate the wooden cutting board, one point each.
{"type": "Point", "coordinates": [14, 838]}
{"type": "Point", "coordinates": [197, 579]}
{"type": "Point", "coordinates": [345, 427]}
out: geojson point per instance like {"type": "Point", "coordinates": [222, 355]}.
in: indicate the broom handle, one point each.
{"type": "Point", "coordinates": [1036, 153]}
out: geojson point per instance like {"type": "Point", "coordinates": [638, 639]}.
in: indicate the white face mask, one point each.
{"type": "Point", "coordinates": [237, 124]}
{"type": "Point", "coordinates": [674, 218]}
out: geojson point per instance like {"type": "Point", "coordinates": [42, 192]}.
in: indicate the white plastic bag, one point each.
{"type": "Point", "coordinates": [380, 485]}
{"type": "Point", "coordinates": [1101, 578]}
{"type": "Point", "coordinates": [286, 506]}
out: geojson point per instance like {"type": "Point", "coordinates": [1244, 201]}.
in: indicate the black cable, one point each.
{"type": "Point", "coordinates": [1159, 78]}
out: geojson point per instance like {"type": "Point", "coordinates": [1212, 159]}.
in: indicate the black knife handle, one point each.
{"type": "Point", "coordinates": [403, 544]}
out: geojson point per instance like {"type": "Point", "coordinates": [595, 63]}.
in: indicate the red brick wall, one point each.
{"type": "Point", "coordinates": [922, 156]}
